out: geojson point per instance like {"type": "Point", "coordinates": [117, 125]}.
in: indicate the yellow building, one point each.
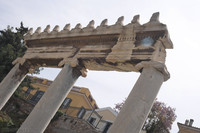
{"type": "Point", "coordinates": [78, 101]}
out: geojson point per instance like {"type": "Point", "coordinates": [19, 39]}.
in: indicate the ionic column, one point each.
{"type": "Point", "coordinates": [10, 83]}
{"type": "Point", "coordinates": [140, 100]}
{"type": "Point", "coordinates": [43, 112]}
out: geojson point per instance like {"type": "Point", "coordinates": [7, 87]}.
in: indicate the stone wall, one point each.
{"type": "Point", "coordinates": [22, 108]}
{"type": "Point", "coordinates": [67, 124]}
{"type": "Point", "coordinates": [17, 110]}
{"type": "Point", "coordinates": [18, 105]}
{"type": "Point", "coordinates": [64, 124]}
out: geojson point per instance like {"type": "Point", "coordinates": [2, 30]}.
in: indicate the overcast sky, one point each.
{"type": "Point", "coordinates": [181, 91]}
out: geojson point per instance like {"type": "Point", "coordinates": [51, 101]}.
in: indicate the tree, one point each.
{"type": "Point", "coordinates": [160, 118]}
{"type": "Point", "coordinates": [11, 46]}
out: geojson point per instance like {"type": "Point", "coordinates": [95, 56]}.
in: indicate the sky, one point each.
{"type": "Point", "coordinates": [181, 91]}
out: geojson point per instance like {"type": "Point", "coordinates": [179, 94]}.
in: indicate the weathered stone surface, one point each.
{"type": "Point", "coordinates": [159, 66]}
{"type": "Point", "coordinates": [107, 47]}
{"type": "Point", "coordinates": [67, 124]}
{"type": "Point", "coordinates": [136, 108]}
{"type": "Point", "coordinates": [11, 82]}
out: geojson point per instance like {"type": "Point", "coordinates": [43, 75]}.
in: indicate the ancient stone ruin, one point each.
{"type": "Point", "coordinates": [132, 47]}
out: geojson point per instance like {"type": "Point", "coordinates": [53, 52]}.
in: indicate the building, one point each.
{"type": "Point", "coordinates": [93, 121]}
{"type": "Point", "coordinates": [79, 107]}
{"type": "Point", "coordinates": [101, 118]}
{"type": "Point", "coordinates": [187, 127]}
{"type": "Point", "coordinates": [81, 111]}
{"type": "Point", "coordinates": [78, 101]}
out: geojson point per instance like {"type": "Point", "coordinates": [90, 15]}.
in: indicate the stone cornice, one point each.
{"type": "Point", "coordinates": [103, 29]}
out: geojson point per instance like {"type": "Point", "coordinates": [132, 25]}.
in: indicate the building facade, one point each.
{"type": "Point", "coordinates": [78, 101]}
{"type": "Point", "coordinates": [79, 108]}
{"type": "Point", "coordinates": [187, 127]}
{"type": "Point", "coordinates": [101, 118]}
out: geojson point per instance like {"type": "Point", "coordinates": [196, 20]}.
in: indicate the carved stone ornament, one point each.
{"type": "Point", "coordinates": [116, 47]}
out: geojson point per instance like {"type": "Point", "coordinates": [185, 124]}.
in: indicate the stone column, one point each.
{"type": "Point", "coordinates": [10, 83]}
{"type": "Point", "coordinates": [43, 112]}
{"type": "Point", "coordinates": [140, 100]}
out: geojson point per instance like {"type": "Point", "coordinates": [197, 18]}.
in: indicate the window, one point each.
{"type": "Point", "coordinates": [66, 103]}
{"type": "Point", "coordinates": [90, 98]}
{"type": "Point", "coordinates": [37, 96]}
{"type": "Point", "coordinates": [27, 92]}
{"type": "Point", "coordinates": [92, 120]}
{"type": "Point", "coordinates": [107, 126]}
{"type": "Point", "coordinates": [81, 113]}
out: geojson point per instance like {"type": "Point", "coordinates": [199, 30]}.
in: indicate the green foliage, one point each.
{"type": "Point", "coordinates": [5, 120]}
{"type": "Point", "coordinates": [17, 118]}
{"type": "Point", "coordinates": [26, 82]}
{"type": "Point", "coordinates": [11, 47]}
{"type": "Point", "coordinates": [159, 120]}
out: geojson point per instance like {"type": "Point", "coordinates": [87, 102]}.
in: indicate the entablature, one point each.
{"type": "Point", "coordinates": [116, 47]}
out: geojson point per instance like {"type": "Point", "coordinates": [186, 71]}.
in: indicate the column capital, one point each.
{"type": "Point", "coordinates": [25, 65]}
{"type": "Point", "coordinates": [161, 67]}
{"type": "Point", "coordinates": [80, 69]}
{"type": "Point", "coordinates": [74, 63]}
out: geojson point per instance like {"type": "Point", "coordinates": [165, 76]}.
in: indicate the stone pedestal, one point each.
{"type": "Point", "coordinates": [50, 102]}
{"type": "Point", "coordinates": [10, 83]}
{"type": "Point", "coordinates": [140, 100]}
